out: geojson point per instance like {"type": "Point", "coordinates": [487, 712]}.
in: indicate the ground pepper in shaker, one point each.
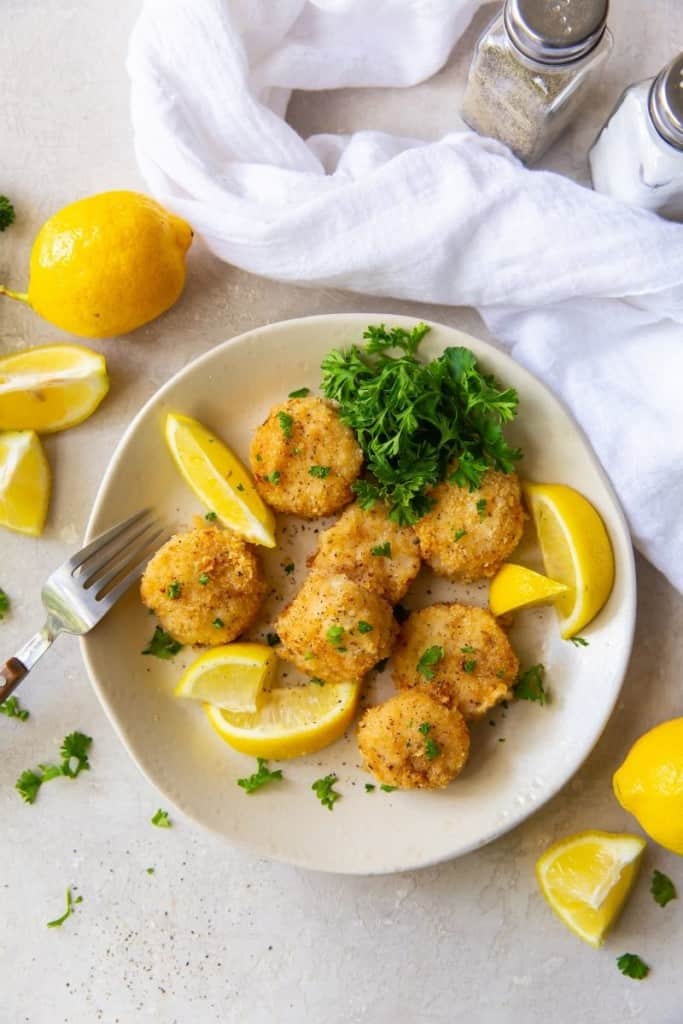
{"type": "Point", "coordinates": [532, 68]}
{"type": "Point", "coordinates": [638, 155]}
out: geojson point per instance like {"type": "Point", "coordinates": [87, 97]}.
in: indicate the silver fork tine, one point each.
{"type": "Point", "coordinates": [148, 545]}
{"type": "Point", "coordinates": [76, 601]}
{"type": "Point", "coordinates": [120, 589]}
{"type": "Point", "coordinates": [104, 538]}
{"type": "Point", "coordinates": [88, 575]}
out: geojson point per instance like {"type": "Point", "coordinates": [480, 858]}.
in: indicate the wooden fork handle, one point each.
{"type": "Point", "coordinates": [12, 672]}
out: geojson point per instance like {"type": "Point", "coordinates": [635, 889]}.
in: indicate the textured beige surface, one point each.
{"type": "Point", "coordinates": [213, 935]}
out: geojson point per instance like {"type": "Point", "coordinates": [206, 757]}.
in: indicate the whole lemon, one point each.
{"type": "Point", "coordinates": [649, 784]}
{"type": "Point", "coordinates": [107, 264]}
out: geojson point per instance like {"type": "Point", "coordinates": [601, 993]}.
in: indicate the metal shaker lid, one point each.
{"type": "Point", "coordinates": [555, 31]}
{"type": "Point", "coordinates": [666, 102]}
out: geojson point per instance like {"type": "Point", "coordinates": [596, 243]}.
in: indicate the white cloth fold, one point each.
{"type": "Point", "coordinates": [586, 292]}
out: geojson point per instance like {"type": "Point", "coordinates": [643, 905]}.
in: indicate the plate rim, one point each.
{"type": "Point", "coordinates": [629, 571]}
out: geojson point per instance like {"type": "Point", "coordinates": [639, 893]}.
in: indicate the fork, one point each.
{"type": "Point", "coordinates": [85, 587]}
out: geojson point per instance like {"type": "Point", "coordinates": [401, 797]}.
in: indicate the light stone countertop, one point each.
{"type": "Point", "coordinates": [214, 935]}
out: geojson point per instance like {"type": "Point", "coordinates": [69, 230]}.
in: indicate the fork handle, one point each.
{"type": "Point", "coordinates": [19, 666]}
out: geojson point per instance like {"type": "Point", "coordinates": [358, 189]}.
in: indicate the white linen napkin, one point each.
{"type": "Point", "coordinates": [586, 292]}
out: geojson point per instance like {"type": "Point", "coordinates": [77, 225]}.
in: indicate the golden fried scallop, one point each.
{"type": "Point", "coordinates": [205, 586]}
{"type": "Point", "coordinates": [459, 654]}
{"type": "Point", "coordinates": [467, 535]}
{"type": "Point", "coordinates": [335, 630]}
{"type": "Point", "coordinates": [369, 548]}
{"type": "Point", "coordinates": [304, 459]}
{"type": "Point", "coordinates": [414, 742]}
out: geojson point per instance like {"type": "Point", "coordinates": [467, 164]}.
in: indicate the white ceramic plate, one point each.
{"type": "Point", "coordinates": [231, 389]}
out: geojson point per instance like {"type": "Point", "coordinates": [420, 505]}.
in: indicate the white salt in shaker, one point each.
{"type": "Point", "coordinates": [531, 70]}
{"type": "Point", "coordinates": [638, 156]}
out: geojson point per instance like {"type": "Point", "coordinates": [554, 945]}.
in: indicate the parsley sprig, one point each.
{"type": "Point", "coordinates": [413, 419]}
{"type": "Point", "coordinates": [326, 794]}
{"type": "Point", "coordinates": [12, 708]}
{"type": "Point", "coordinates": [259, 778]}
{"type": "Point", "coordinates": [74, 753]}
{"type": "Point", "coordinates": [7, 214]}
{"type": "Point", "coordinates": [70, 904]}
{"type": "Point", "coordinates": [162, 645]}
{"type": "Point", "coordinates": [632, 966]}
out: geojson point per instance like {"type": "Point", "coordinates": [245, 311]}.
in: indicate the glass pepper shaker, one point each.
{"type": "Point", "coordinates": [638, 155]}
{"type": "Point", "coordinates": [532, 68]}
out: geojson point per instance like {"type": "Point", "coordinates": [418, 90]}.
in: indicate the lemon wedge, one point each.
{"type": "Point", "coordinates": [219, 479]}
{"type": "Point", "coordinates": [50, 387]}
{"type": "Point", "coordinates": [586, 879]}
{"type": "Point", "coordinates": [515, 586]}
{"type": "Point", "coordinates": [289, 722]}
{"type": "Point", "coordinates": [24, 482]}
{"type": "Point", "coordinates": [576, 552]}
{"type": "Point", "coordinates": [230, 677]}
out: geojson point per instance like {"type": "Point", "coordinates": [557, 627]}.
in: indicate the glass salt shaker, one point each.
{"type": "Point", "coordinates": [638, 155]}
{"type": "Point", "coordinates": [532, 68]}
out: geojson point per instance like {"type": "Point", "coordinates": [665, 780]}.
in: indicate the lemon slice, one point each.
{"type": "Point", "coordinates": [515, 586]}
{"type": "Point", "coordinates": [51, 387]}
{"type": "Point", "coordinates": [230, 677]}
{"type": "Point", "coordinates": [24, 482]}
{"type": "Point", "coordinates": [289, 722]}
{"type": "Point", "coordinates": [576, 551]}
{"type": "Point", "coordinates": [586, 878]}
{"type": "Point", "coordinates": [219, 479]}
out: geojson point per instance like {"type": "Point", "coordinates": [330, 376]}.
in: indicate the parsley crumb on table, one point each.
{"type": "Point", "coordinates": [326, 794]}
{"type": "Point", "coordinates": [632, 966]}
{"type": "Point", "coordinates": [662, 888]}
{"type": "Point", "coordinates": [12, 709]}
{"type": "Point", "coordinates": [70, 904]}
{"type": "Point", "coordinates": [4, 604]}
{"type": "Point", "coordinates": [161, 819]}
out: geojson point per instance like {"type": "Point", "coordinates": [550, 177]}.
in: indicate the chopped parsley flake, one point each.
{"type": "Point", "coordinates": [211, 517]}
{"type": "Point", "coordinates": [632, 966]}
{"type": "Point", "coordinates": [365, 627]}
{"type": "Point", "coordinates": [174, 590]}
{"type": "Point", "coordinates": [240, 487]}
{"type": "Point", "coordinates": [317, 681]}
{"type": "Point", "coordinates": [432, 749]}
{"type": "Point", "coordinates": [381, 550]}
{"type": "Point", "coordinates": [369, 788]}
{"type": "Point", "coordinates": [161, 819]}
{"type": "Point", "coordinates": [272, 478]}
{"type": "Point", "coordinates": [289, 568]}
{"type": "Point", "coordinates": [531, 685]}
{"type": "Point", "coordinates": [70, 904]}
{"type": "Point", "coordinates": [204, 578]}
{"type": "Point", "coordinates": [469, 665]}
{"type": "Point", "coordinates": [217, 623]}
{"type": "Point", "coordinates": [13, 709]}
{"type": "Point", "coordinates": [662, 888]}
{"type": "Point", "coordinates": [432, 656]}
{"type": "Point", "coordinates": [300, 393]}
{"type": "Point", "coordinates": [579, 641]}
{"type": "Point", "coordinates": [320, 471]}
{"type": "Point", "coordinates": [335, 635]}
{"type": "Point", "coordinates": [326, 794]}
{"type": "Point", "coordinates": [4, 604]}
{"type": "Point", "coordinates": [272, 639]}
{"type": "Point", "coordinates": [467, 649]}
{"type": "Point", "coordinates": [74, 754]}
{"type": "Point", "coordinates": [388, 789]}
{"type": "Point", "coordinates": [162, 645]}
{"type": "Point", "coordinates": [481, 509]}
{"type": "Point", "coordinates": [260, 778]}
{"type": "Point", "coordinates": [458, 535]}
{"type": "Point", "coordinates": [425, 728]}
{"type": "Point", "coordinates": [7, 214]}
{"type": "Point", "coordinates": [286, 422]}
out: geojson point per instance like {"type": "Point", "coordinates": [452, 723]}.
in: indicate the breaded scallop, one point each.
{"type": "Point", "coordinates": [459, 654]}
{"type": "Point", "coordinates": [335, 630]}
{"type": "Point", "coordinates": [467, 535]}
{"type": "Point", "coordinates": [304, 459]}
{"type": "Point", "coordinates": [369, 548]}
{"type": "Point", "coordinates": [205, 586]}
{"type": "Point", "coordinates": [414, 742]}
